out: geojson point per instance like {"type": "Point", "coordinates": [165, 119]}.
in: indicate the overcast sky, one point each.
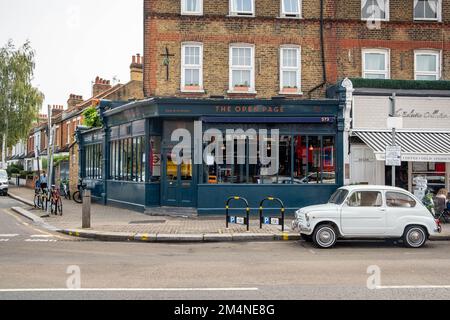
{"type": "Point", "coordinates": [75, 41]}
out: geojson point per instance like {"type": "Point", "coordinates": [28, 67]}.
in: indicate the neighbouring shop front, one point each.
{"type": "Point", "coordinates": [424, 138]}
{"type": "Point", "coordinates": [129, 162]}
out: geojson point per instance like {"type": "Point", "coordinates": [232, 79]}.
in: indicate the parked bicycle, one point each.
{"type": "Point", "coordinates": [56, 206]}
{"type": "Point", "coordinates": [78, 195]}
{"type": "Point", "coordinates": [65, 192]}
{"type": "Point", "coordinates": [41, 198]}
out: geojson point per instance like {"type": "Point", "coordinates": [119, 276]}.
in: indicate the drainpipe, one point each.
{"type": "Point", "coordinates": [322, 48]}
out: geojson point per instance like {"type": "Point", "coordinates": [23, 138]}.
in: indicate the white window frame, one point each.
{"type": "Point", "coordinates": [234, 12]}
{"type": "Point", "coordinates": [386, 18]}
{"type": "Point", "coordinates": [387, 54]}
{"type": "Point", "coordinates": [438, 16]}
{"type": "Point", "coordinates": [297, 69]}
{"type": "Point", "coordinates": [436, 53]}
{"type": "Point", "coordinates": [184, 66]}
{"type": "Point", "coordinates": [191, 13]}
{"type": "Point", "coordinates": [289, 15]}
{"type": "Point", "coordinates": [251, 68]}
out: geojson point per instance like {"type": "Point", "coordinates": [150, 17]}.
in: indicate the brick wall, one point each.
{"type": "Point", "coordinates": [345, 36]}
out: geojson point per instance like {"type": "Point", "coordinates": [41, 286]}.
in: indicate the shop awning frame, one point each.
{"type": "Point", "coordinates": [417, 146]}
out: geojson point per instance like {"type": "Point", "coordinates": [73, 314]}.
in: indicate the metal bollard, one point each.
{"type": "Point", "coordinates": [86, 213]}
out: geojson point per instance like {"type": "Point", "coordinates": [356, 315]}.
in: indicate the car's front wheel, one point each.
{"type": "Point", "coordinates": [415, 237]}
{"type": "Point", "coordinates": [325, 236]}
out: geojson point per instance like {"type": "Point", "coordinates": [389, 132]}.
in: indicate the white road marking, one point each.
{"type": "Point", "coordinates": [41, 240]}
{"type": "Point", "coordinates": [41, 236]}
{"type": "Point", "coordinates": [126, 289]}
{"type": "Point", "coordinates": [412, 287]}
{"type": "Point", "coordinates": [4, 240]}
{"type": "Point", "coordinates": [8, 235]}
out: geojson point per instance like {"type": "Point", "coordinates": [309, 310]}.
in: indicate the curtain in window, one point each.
{"type": "Point", "coordinates": [192, 5]}
{"type": "Point", "coordinates": [369, 8]}
{"type": "Point", "coordinates": [426, 62]}
{"type": "Point", "coordinates": [375, 61]}
{"type": "Point", "coordinates": [433, 5]}
{"type": "Point", "coordinates": [291, 6]}
{"type": "Point", "coordinates": [242, 5]}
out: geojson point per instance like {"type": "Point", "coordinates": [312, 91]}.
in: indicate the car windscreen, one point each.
{"type": "Point", "coordinates": [339, 196]}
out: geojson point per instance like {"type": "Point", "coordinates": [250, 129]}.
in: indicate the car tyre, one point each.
{"type": "Point", "coordinates": [306, 238]}
{"type": "Point", "coordinates": [325, 236]}
{"type": "Point", "coordinates": [415, 237]}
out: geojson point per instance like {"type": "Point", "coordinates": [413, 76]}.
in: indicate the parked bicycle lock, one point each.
{"type": "Point", "coordinates": [237, 219]}
{"type": "Point", "coordinates": [271, 220]}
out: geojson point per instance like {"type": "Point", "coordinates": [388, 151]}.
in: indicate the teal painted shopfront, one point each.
{"type": "Point", "coordinates": [128, 162]}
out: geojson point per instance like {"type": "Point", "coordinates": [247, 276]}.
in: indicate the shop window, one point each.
{"type": "Point", "coordinates": [291, 8]}
{"type": "Point", "coordinates": [431, 172]}
{"type": "Point", "coordinates": [377, 10]}
{"type": "Point", "coordinates": [242, 78]}
{"type": "Point", "coordinates": [290, 65]}
{"type": "Point", "coordinates": [192, 7]}
{"type": "Point", "coordinates": [428, 10]}
{"type": "Point", "coordinates": [301, 160]}
{"type": "Point", "coordinates": [192, 67]}
{"type": "Point", "coordinates": [128, 159]}
{"type": "Point", "coordinates": [93, 161]}
{"type": "Point", "coordinates": [242, 7]}
{"type": "Point", "coordinates": [155, 159]}
{"type": "Point", "coordinates": [375, 64]}
{"type": "Point", "coordinates": [427, 65]}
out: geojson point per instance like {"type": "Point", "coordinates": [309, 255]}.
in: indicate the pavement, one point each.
{"type": "Point", "coordinates": [115, 224]}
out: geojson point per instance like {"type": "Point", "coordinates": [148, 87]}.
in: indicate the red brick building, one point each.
{"type": "Point", "coordinates": [290, 48]}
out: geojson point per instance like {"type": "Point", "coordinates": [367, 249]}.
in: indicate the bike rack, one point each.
{"type": "Point", "coordinates": [236, 219]}
{"type": "Point", "coordinates": [271, 220]}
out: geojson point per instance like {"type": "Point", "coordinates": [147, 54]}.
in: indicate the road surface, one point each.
{"type": "Point", "coordinates": [36, 264]}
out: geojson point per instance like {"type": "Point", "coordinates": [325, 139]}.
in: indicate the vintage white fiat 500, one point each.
{"type": "Point", "coordinates": [366, 212]}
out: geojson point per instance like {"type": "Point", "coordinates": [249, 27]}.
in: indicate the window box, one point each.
{"type": "Point", "coordinates": [290, 90]}
{"type": "Point", "coordinates": [242, 88]}
{"type": "Point", "coordinates": [192, 88]}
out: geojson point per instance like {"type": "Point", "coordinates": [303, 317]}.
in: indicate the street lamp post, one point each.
{"type": "Point", "coordinates": [394, 142]}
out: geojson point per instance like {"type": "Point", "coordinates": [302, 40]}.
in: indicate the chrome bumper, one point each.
{"type": "Point", "coordinates": [301, 228]}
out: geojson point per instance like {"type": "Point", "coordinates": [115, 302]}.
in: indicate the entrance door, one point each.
{"type": "Point", "coordinates": [178, 189]}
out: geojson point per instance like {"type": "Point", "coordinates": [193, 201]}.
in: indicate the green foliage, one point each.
{"type": "Point", "coordinates": [59, 158]}
{"type": "Point", "coordinates": [92, 117]}
{"type": "Point", "coordinates": [44, 164]}
{"type": "Point", "coordinates": [20, 102]}
{"type": "Point", "coordinates": [14, 169]}
{"type": "Point", "coordinates": [400, 84]}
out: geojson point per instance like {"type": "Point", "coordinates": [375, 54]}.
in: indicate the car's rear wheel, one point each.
{"type": "Point", "coordinates": [415, 237]}
{"type": "Point", "coordinates": [325, 236]}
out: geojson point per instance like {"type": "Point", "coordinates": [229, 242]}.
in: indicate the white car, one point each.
{"type": "Point", "coordinates": [366, 212]}
{"type": "Point", "coordinates": [3, 182]}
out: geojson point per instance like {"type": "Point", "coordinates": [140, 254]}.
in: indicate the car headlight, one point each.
{"type": "Point", "coordinates": [308, 218]}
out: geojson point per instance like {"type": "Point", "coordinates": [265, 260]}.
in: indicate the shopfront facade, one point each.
{"type": "Point", "coordinates": [130, 163]}
{"type": "Point", "coordinates": [424, 137]}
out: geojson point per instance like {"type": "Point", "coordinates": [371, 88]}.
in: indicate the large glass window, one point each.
{"type": "Point", "coordinates": [375, 64]}
{"type": "Point", "coordinates": [301, 160]}
{"type": "Point", "coordinates": [432, 173]}
{"type": "Point", "coordinates": [427, 65]}
{"type": "Point", "coordinates": [427, 10]}
{"type": "Point", "coordinates": [93, 161]}
{"type": "Point", "coordinates": [375, 9]}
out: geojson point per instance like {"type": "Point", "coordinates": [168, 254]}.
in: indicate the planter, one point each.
{"type": "Point", "coordinates": [289, 90]}
{"type": "Point", "coordinates": [192, 88]}
{"type": "Point", "coordinates": [241, 89]}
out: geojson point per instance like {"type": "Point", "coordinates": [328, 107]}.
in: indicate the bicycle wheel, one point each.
{"type": "Point", "coordinates": [37, 201]}
{"type": "Point", "coordinates": [77, 197]}
{"type": "Point", "coordinates": [59, 207]}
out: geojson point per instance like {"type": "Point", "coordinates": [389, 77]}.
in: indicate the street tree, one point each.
{"type": "Point", "coordinates": [20, 102]}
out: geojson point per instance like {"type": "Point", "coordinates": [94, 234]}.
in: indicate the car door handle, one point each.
{"type": "Point", "coordinates": [383, 210]}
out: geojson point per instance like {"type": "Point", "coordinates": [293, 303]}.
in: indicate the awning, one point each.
{"type": "Point", "coordinates": [416, 146]}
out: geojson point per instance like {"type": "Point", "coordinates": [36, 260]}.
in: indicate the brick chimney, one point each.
{"type": "Point", "coordinates": [100, 85]}
{"type": "Point", "coordinates": [57, 109]}
{"type": "Point", "coordinates": [74, 100]}
{"type": "Point", "coordinates": [137, 68]}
